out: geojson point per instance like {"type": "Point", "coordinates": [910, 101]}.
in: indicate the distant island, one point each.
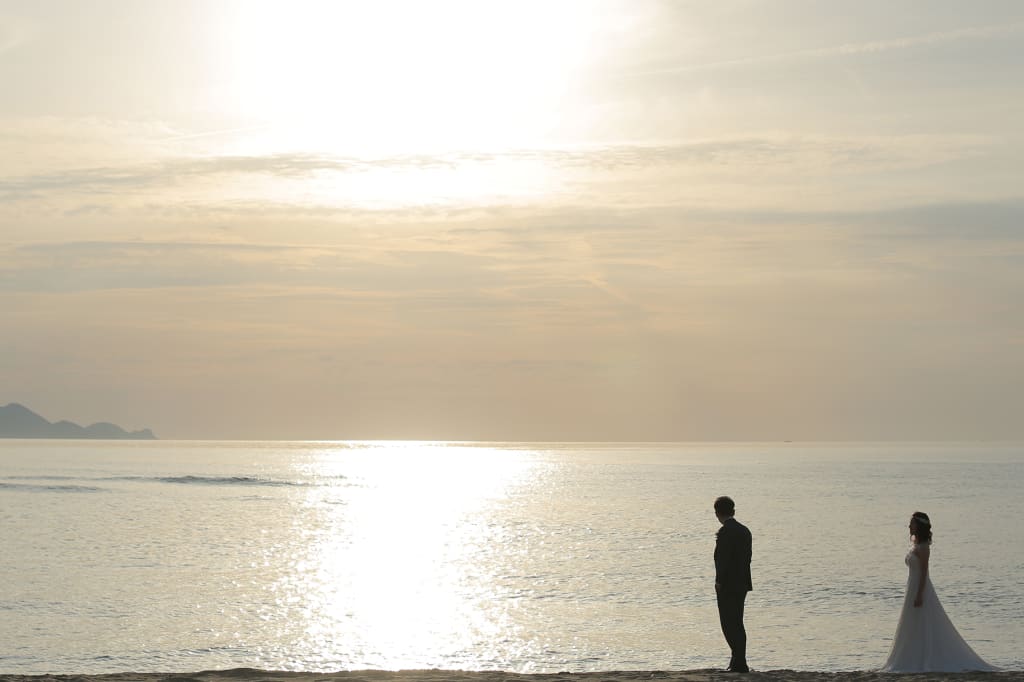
{"type": "Point", "coordinates": [17, 421]}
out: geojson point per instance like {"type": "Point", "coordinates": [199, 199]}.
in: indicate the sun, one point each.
{"type": "Point", "coordinates": [388, 77]}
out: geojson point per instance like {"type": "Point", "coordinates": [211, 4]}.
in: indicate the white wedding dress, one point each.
{"type": "Point", "coordinates": [926, 640]}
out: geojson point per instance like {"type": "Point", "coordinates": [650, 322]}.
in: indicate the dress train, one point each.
{"type": "Point", "coordinates": [926, 639]}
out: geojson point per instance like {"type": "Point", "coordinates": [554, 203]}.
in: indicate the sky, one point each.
{"type": "Point", "coordinates": [585, 220]}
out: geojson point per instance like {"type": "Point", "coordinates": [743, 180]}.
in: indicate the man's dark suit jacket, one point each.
{"type": "Point", "coordinates": [732, 557]}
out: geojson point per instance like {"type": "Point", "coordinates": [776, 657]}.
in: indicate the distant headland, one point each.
{"type": "Point", "coordinates": [17, 421]}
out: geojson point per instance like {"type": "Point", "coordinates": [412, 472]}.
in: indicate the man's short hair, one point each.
{"type": "Point", "coordinates": [725, 506]}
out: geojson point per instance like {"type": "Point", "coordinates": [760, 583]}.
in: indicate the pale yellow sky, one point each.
{"type": "Point", "coordinates": [591, 220]}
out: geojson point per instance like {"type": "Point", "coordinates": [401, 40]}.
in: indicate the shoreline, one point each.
{"type": "Point", "coordinates": [707, 675]}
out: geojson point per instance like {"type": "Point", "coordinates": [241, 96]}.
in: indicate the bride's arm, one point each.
{"type": "Point", "coordinates": [922, 553]}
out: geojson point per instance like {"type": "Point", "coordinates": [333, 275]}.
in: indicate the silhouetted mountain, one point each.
{"type": "Point", "coordinates": [17, 421]}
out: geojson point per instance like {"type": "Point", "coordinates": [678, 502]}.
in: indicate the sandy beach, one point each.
{"type": "Point", "coordinates": [251, 675]}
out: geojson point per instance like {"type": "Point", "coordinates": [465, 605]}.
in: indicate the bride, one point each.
{"type": "Point", "coordinates": [926, 640]}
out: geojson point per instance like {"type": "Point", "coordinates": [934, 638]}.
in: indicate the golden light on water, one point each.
{"type": "Point", "coordinates": [402, 565]}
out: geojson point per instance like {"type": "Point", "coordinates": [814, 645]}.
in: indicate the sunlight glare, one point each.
{"type": "Point", "coordinates": [402, 558]}
{"type": "Point", "coordinates": [382, 77]}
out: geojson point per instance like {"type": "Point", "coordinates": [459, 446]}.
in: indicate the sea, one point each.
{"type": "Point", "coordinates": [179, 556]}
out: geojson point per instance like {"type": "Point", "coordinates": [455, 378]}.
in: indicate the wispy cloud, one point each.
{"type": "Point", "coordinates": [526, 254]}
{"type": "Point", "coordinates": [166, 173]}
{"type": "Point", "coordinates": [739, 154]}
{"type": "Point", "coordinates": [220, 132]}
{"type": "Point", "coordinates": [845, 49]}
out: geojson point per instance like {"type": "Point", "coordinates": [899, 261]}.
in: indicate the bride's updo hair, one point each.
{"type": "Point", "coordinates": [923, 534]}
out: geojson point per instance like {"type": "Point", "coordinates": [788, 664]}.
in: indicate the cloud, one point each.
{"type": "Point", "coordinates": [618, 262]}
{"type": "Point", "coordinates": [180, 171]}
{"type": "Point", "coordinates": [109, 265]}
{"type": "Point", "coordinates": [739, 156]}
{"type": "Point", "coordinates": [997, 221]}
{"type": "Point", "coordinates": [64, 267]}
{"type": "Point", "coordinates": [845, 49]}
{"type": "Point", "coordinates": [105, 180]}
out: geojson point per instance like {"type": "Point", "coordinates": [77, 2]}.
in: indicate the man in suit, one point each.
{"type": "Point", "coordinates": [732, 580]}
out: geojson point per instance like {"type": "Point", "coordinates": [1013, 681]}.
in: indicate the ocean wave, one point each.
{"type": "Point", "coordinates": [190, 479]}
{"type": "Point", "coordinates": [42, 488]}
{"type": "Point", "coordinates": [34, 482]}
{"type": "Point", "coordinates": [186, 479]}
{"type": "Point", "coordinates": [230, 480]}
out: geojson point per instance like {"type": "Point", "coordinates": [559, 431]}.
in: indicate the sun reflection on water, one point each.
{"type": "Point", "coordinates": [394, 559]}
